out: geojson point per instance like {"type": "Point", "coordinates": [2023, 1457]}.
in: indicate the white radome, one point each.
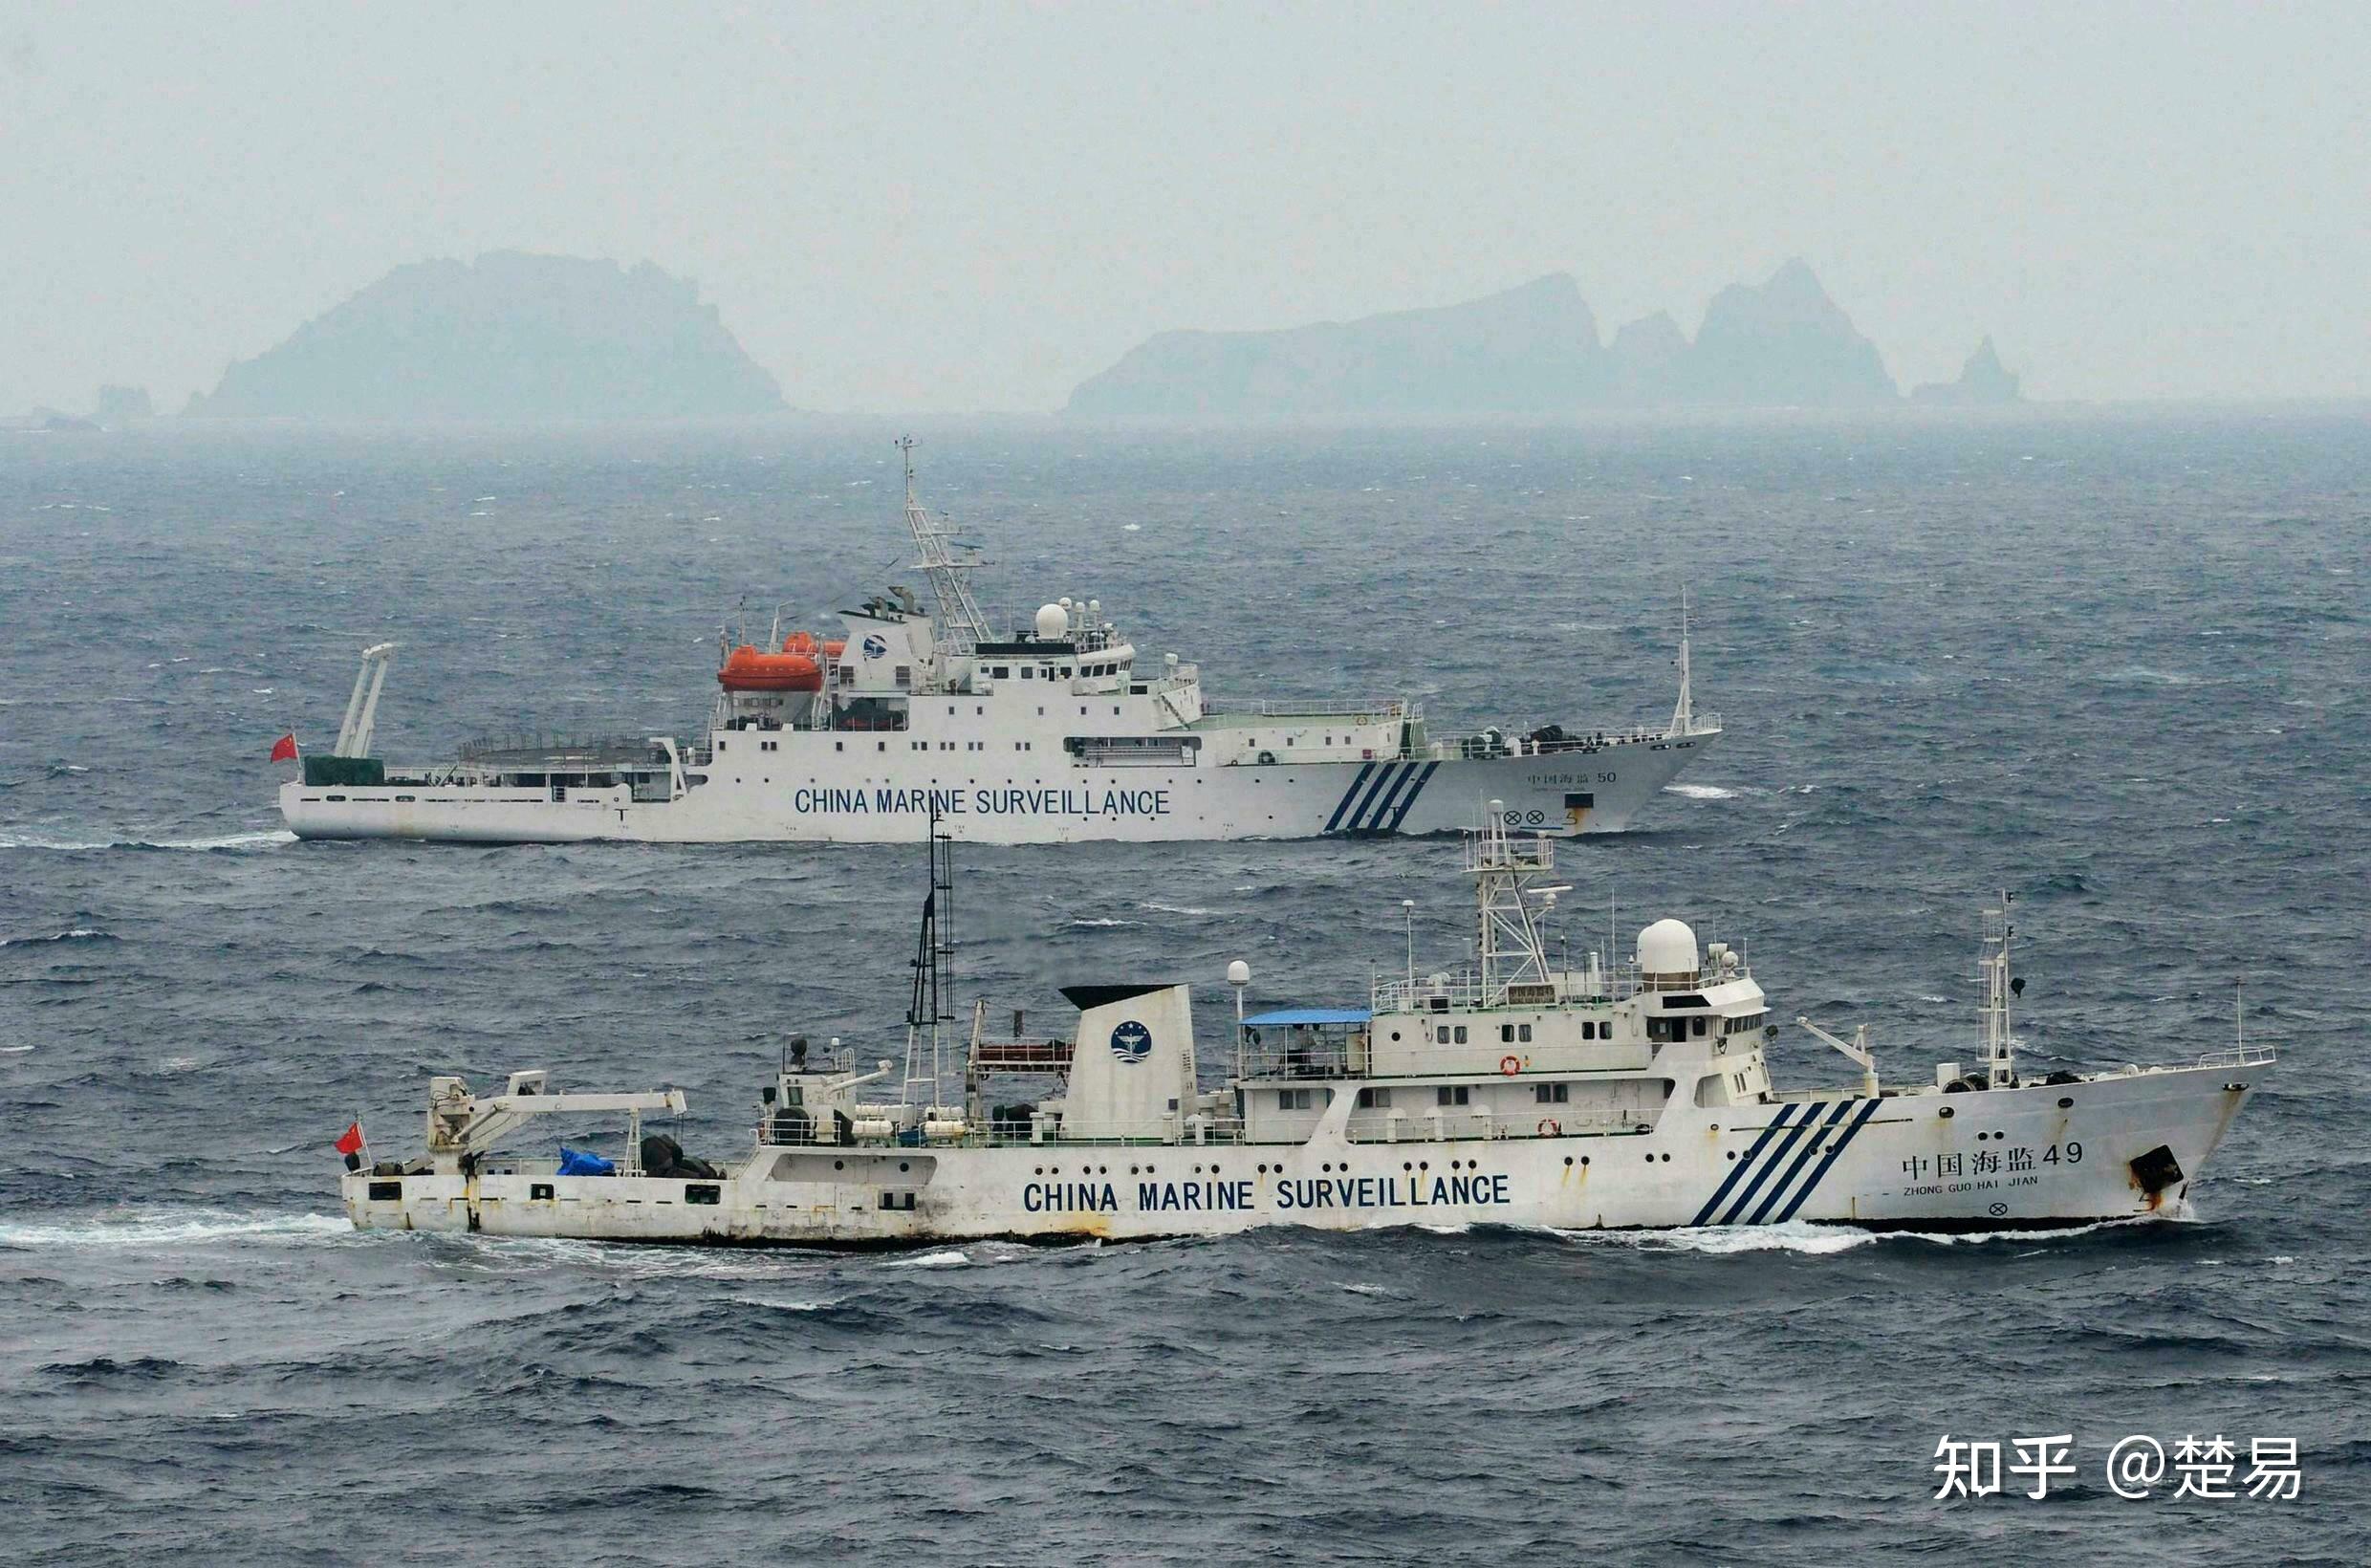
{"type": "Point", "coordinates": [1669, 947]}
{"type": "Point", "coordinates": [1053, 621]}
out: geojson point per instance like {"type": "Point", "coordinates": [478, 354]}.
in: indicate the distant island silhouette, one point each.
{"type": "Point", "coordinates": [510, 336]}
{"type": "Point", "coordinates": [1531, 350]}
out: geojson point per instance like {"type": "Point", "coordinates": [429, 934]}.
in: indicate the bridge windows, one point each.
{"type": "Point", "coordinates": [1551, 1094]}
{"type": "Point", "coordinates": [1375, 1099]}
{"type": "Point", "coordinates": [1451, 1094]}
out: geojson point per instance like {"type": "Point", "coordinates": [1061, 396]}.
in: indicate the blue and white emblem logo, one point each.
{"type": "Point", "coordinates": [874, 648]}
{"type": "Point", "coordinates": [1132, 1042]}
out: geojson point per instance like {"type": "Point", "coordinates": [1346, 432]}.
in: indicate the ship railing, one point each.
{"type": "Point", "coordinates": [1464, 991]}
{"type": "Point", "coordinates": [1423, 1125]}
{"type": "Point", "coordinates": [1378, 710]}
{"type": "Point", "coordinates": [1168, 1132]}
{"type": "Point", "coordinates": [564, 753]}
{"type": "Point", "coordinates": [1490, 744]}
{"type": "Point", "coordinates": [2238, 1055]}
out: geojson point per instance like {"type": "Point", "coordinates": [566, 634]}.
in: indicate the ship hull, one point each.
{"type": "Point", "coordinates": [2120, 1147]}
{"type": "Point", "coordinates": [887, 798]}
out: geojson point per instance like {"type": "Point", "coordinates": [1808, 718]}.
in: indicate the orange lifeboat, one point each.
{"type": "Point", "coordinates": [748, 669]}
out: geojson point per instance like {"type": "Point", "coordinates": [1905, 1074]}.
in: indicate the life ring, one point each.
{"type": "Point", "coordinates": [1511, 1065]}
{"type": "Point", "coordinates": [1549, 1128]}
{"type": "Point", "coordinates": [1268, 759]}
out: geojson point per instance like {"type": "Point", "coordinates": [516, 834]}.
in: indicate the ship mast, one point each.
{"type": "Point", "coordinates": [2000, 1046]}
{"type": "Point", "coordinates": [1682, 716]}
{"type": "Point", "coordinates": [926, 1015]}
{"type": "Point", "coordinates": [1510, 950]}
{"type": "Point", "coordinates": [944, 562]}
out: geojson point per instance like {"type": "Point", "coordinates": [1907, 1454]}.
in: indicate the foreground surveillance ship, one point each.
{"type": "Point", "coordinates": [1056, 734]}
{"type": "Point", "coordinates": [1515, 1092]}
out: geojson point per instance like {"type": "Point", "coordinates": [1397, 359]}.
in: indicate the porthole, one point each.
{"type": "Point", "coordinates": [2066, 1102]}
{"type": "Point", "coordinates": [1945, 1113]}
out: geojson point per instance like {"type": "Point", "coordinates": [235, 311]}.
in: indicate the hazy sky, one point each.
{"type": "Point", "coordinates": [949, 207]}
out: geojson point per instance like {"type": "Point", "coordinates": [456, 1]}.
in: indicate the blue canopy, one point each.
{"type": "Point", "coordinates": [1284, 1017]}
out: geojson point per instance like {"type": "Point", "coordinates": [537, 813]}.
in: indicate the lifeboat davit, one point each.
{"type": "Point", "coordinates": [749, 670]}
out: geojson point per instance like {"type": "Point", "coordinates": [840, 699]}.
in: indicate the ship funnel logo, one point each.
{"type": "Point", "coordinates": [1132, 1042]}
{"type": "Point", "coordinates": [874, 648]}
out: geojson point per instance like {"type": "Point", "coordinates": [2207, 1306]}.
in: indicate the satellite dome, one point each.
{"type": "Point", "coordinates": [1667, 952]}
{"type": "Point", "coordinates": [1052, 621]}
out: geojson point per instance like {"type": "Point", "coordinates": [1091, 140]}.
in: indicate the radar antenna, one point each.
{"type": "Point", "coordinates": [944, 562]}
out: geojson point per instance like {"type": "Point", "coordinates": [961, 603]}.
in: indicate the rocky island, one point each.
{"type": "Point", "coordinates": [509, 336]}
{"type": "Point", "coordinates": [1533, 350]}
{"type": "Point", "coordinates": [1982, 380]}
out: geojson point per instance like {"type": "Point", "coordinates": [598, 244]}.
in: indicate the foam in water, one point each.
{"type": "Point", "coordinates": [1724, 1240]}
{"type": "Point", "coordinates": [949, 1259]}
{"type": "Point", "coordinates": [171, 1228]}
{"type": "Point", "coordinates": [1700, 792]}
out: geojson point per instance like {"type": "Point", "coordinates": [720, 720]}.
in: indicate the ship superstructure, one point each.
{"type": "Point", "coordinates": [1062, 730]}
{"type": "Point", "coordinates": [1521, 1088]}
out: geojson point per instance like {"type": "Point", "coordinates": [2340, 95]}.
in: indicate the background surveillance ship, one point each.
{"type": "Point", "coordinates": [1520, 1092]}
{"type": "Point", "coordinates": [1056, 734]}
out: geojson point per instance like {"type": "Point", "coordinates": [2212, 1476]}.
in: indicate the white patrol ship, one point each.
{"type": "Point", "coordinates": [1059, 732]}
{"type": "Point", "coordinates": [1515, 1092]}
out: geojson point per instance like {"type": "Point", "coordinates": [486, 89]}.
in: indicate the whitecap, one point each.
{"type": "Point", "coordinates": [1175, 908]}
{"type": "Point", "coordinates": [1085, 921]}
{"type": "Point", "coordinates": [13, 1050]}
{"type": "Point", "coordinates": [79, 933]}
{"type": "Point", "coordinates": [950, 1259]}
{"type": "Point", "coordinates": [1131, 528]}
{"type": "Point", "coordinates": [1359, 1288]}
{"type": "Point", "coordinates": [1723, 1240]}
{"type": "Point", "coordinates": [1700, 792]}
{"type": "Point", "coordinates": [232, 841]}
{"type": "Point", "coordinates": [171, 1228]}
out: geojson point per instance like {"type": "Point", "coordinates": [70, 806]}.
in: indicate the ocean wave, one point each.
{"type": "Point", "coordinates": [269, 839]}
{"type": "Point", "coordinates": [1175, 908]}
{"type": "Point", "coordinates": [1700, 792]}
{"type": "Point", "coordinates": [169, 1228]}
{"type": "Point", "coordinates": [951, 1258]}
{"type": "Point", "coordinates": [79, 933]}
{"type": "Point", "coordinates": [1725, 1240]}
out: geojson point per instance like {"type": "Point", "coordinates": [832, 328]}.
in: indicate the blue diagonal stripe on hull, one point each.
{"type": "Point", "coordinates": [1776, 1157]}
{"type": "Point", "coordinates": [1738, 1172]}
{"type": "Point", "coordinates": [1833, 1149]}
{"type": "Point", "coordinates": [1409, 799]}
{"type": "Point", "coordinates": [1803, 1157]}
{"type": "Point", "coordinates": [1333, 821]}
{"type": "Point", "coordinates": [1384, 774]}
{"type": "Point", "coordinates": [1380, 820]}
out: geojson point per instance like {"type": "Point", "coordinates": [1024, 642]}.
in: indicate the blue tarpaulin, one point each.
{"type": "Point", "coordinates": [584, 1163]}
{"type": "Point", "coordinates": [1289, 1015]}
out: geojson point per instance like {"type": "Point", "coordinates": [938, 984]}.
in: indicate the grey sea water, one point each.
{"type": "Point", "coordinates": [2118, 666]}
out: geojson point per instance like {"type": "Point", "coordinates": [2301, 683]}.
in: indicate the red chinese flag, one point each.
{"type": "Point", "coordinates": [351, 1140]}
{"type": "Point", "coordinates": [284, 749]}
